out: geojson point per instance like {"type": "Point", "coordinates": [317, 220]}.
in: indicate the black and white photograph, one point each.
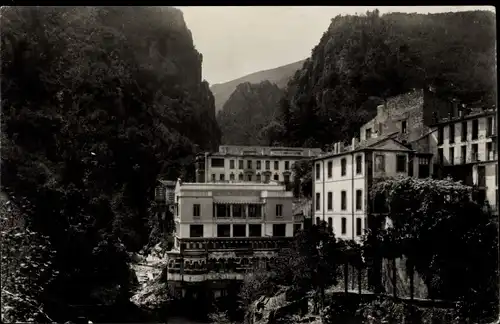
{"type": "Point", "coordinates": [249, 164]}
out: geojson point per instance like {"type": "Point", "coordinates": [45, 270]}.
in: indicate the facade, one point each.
{"type": "Point", "coordinates": [222, 229]}
{"type": "Point", "coordinates": [164, 204]}
{"type": "Point", "coordinates": [342, 180]}
{"type": "Point", "coordinates": [465, 147]}
{"type": "Point", "coordinates": [258, 164]}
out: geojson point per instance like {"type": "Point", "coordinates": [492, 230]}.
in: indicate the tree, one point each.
{"type": "Point", "coordinates": [302, 177]}
{"type": "Point", "coordinates": [97, 103]}
{"type": "Point", "coordinates": [420, 211]}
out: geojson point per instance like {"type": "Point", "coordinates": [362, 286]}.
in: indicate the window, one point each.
{"type": "Point", "coordinates": [359, 228]}
{"type": "Point", "coordinates": [239, 230]}
{"type": "Point", "coordinates": [463, 154]}
{"type": "Point", "coordinates": [249, 164]}
{"type": "Point", "coordinates": [475, 155]}
{"type": "Point", "coordinates": [330, 200]}
{"type": "Point", "coordinates": [279, 230]}
{"type": "Point", "coordinates": [343, 201]}
{"type": "Point", "coordinates": [440, 135]}
{"type": "Point", "coordinates": [452, 133]}
{"type": "Point", "coordinates": [276, 177]}
{"type": "Point", "coordinates": [222, 210]}
{"type": "Point", "coordinates": [217, 163]}
{"type": "Point", "coordinates": [317, 171]}
{"type": "Point", "coordinates": [259, 165]}
{"type": "Point", "coordinates": [231, 176]}
{"type": "Point", "coordinates": [368, 133]}
{"type": "Point", "coordinates": [267, 177]}
{"type": "Point", "coordinates": [258, 177]}
{"type": "Point", "coordinates": [287, 165]}
{"type": "Point", "coordinates": [213, 177]}
{"type": "Point", "coordinates": [318, 196]}
{"type": "Point", "coordinates": [343, 166]}
{"type": "Point", "coordinates": [249, 177]}
{"type": "Point", "coordinates": [237, 211]}
{"type": "Point", "coordinates": [268, 165]}
{"type": "Point", "coordinates": [196, 230]}
{"type": "Point", "coordinates": [344, 226]}
{"type": "Point", "coordinates": [276, 165]}
{"type": "Point", "coordinates": [359, 164]}
{"type": "Point", "coordinates": [231, 164]}
{"type": "Point", "coordinates": [475, 129]}
{"type": "Point", "coordinates": [196, 210]}
{"type": "Point", "coordinates": [464, 132]}
{"type": "Point", "coordinates": [489, 151]}
{"type": "Point", "coordinates": [254, 211]}
{"type": "Point", "coordinates": [255, 230]}
{"type": "Point", "coordinates": [401, 163]}
{"type": "Point", "coordinates": [359, 199]}
{"type": "Point", "coordinates": [330, 223]}
{"type": "Point", "coordinates": [403, 127]}
{"type": "Point", "coordinates": [489, 126]}
{"type": "Point", "coordinates": [223, 230]}
{"type": "Point", "coordinates": [379, 163]}
{"type": "Point", "coordinates": [330, 168]}
{"type": "Point", "coordinates": [451, 155]}
{"type": "Point", "coordinates": [296, 228]}
{"type": "Point", "coordinates": [279, 210]}
{"type": "Point", "coordinates": [240, 164]}
{"type": "Point", "coordinates": [286, 178]}
{"type": "Point", "coordinates": [222, 177]}
{"type": "Point", "coordinates": [440, 155]}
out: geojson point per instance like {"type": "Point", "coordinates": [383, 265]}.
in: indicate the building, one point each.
{"type": "Point", "coordinates": [465, 148]}
{"type": "Point", "coordinates": [250, 163]}
{"type": "Point", "coordinates": [222, 229]}
{"type": "Point", "coordinates": [164, 203]}
{"type": "Point", "coordinates": [342, 180]}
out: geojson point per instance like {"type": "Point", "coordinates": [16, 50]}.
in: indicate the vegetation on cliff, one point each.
{"type": "Point", "coordinates": [279, 76]}
{"type": "Point", "coordinates": [246, 114]}
{"type": "Point", "coordinates": [361, 60]}
{"type": "Point", "coordinates": [97, 102]}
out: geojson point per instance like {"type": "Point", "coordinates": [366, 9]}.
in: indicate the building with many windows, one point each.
{"type": "Point", "coordinates": [342, 180]}
{"type": "Point", "coordinates": [250, 163]}
{"type": "Point", "coordinates": [222, 229]}
{"type": "Point", "coordinates": [465, 146]}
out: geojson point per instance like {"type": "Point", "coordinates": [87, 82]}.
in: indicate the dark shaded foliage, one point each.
{"type": "Point", "coordinates": [361, 60]}
{"type": "Point", "coordinates": [97, 102]}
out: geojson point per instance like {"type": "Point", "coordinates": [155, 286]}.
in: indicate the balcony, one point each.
{"type": "Point", "coordinates": [243, 244]}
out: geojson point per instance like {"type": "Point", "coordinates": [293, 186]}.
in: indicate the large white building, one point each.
{"type": "Point", "coordinates": [342, 180]}
{"type": "Point", "coordinates": [259, 164]}
{"type": "Point", "coordinates": [221, 229]}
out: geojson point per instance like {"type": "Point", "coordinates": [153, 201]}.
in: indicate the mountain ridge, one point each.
{"type": "Point", "coordinates": [279, 75]}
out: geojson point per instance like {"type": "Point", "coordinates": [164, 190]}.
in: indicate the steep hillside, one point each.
{"type": "Point", "coordinates": [97, 102]}
{"type": "Point", "coordinates": [279, 76]}
{"type": "Point", "coordinates": [247, 112]}
{"type": "Point", "coordinates": [362, 58]}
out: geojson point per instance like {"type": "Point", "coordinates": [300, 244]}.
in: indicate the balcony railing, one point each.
{"type": "Point", "coordinates": [234, 243]}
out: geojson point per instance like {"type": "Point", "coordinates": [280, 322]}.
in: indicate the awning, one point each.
{"type": "Point", "coordinates": [237, 200]}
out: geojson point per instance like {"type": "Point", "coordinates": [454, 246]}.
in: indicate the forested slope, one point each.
{"type": "Point", "coordinates": [97, 102]}
{"type": "Point", "coordinates": [246, 114]}
{"type": "Point", "coordinates": [280, 76]}
{"type": "Point", "coordinates": [361, 60]}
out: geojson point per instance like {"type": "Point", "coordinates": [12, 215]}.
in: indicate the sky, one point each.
{"type": "Point", "coordinates": [236, 41]}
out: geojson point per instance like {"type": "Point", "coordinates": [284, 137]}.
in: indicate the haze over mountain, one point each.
{"type": "Point", "coordinates": [279, 76]}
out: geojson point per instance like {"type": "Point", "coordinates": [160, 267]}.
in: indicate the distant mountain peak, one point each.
{"type": "Point", "coordinates": [278, 76]}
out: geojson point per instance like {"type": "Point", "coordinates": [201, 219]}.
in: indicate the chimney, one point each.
{"type": "Point", "coordinates": [334, 148]}
{"type": "Point", "coordinates": [353, 143]}
{"type": "Point", "coordinates": [380, 110]}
